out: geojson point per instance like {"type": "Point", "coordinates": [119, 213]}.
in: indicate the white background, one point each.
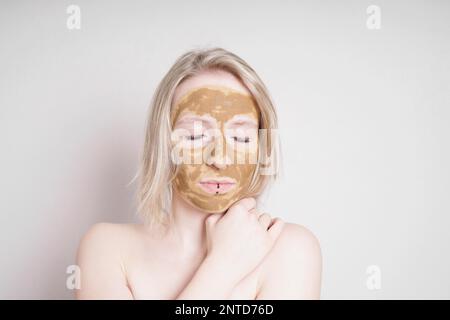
{"type": "Point", "coordinates": [364, 123]}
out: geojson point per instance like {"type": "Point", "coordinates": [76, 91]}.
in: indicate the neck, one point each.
{"type": "Point", "coordinates": [187, 228]}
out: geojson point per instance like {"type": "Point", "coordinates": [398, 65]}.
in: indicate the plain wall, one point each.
{"type": "Point", "coordinates": [364, 126]}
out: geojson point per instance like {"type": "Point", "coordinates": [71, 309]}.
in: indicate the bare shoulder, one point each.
{"type": "Point", "coordinates": [100, 259]}
{"type": "Point", "coordinates": [104, 243]}
{"type": "Point", "coordinates": [297, 238]}
{"type": "Point", "coordinates": [112, 242]}
{"type": "Point", "coordinates": [295, 243]}
{"type": "Point", "coordinates": [292, 269]}
{"type": "Point", "coordinates": [107, 235]}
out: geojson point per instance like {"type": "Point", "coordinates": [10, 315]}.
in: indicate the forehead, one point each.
{"type": "Point", "coordinates": [223, 103]}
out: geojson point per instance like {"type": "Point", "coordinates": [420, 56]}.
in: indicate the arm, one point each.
{"type": "Point", "coordinates": [211, 282]}
{"type": "Point", "coordinates": [102, 274]}
{"type": "Point", "coordinates": [103, 277]}
{"type": "Point", "coordinates": [294, 266]}
{"type": "Point", "coordinates": [236, 244]}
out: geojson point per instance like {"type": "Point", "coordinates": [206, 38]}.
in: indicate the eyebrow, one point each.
{"type": "Point", "coordinates": [189, 118]}
{"type": "Point", "coordinates": [242, 120]}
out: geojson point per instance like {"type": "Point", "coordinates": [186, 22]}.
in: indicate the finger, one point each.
{"type": "Point", "coordinates": [275, 228]}
{"type": "Point", "coordinates": [265, 219]}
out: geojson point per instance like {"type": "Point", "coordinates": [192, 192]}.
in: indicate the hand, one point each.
{"type": "Point", "coordinates": [240, 238]}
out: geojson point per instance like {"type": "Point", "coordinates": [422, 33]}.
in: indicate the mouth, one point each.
{"type": "Point", "coordinates": [217, 185]}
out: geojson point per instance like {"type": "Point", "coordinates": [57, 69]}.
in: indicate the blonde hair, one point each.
{"type": "Point", "coordinates": [156, 170]}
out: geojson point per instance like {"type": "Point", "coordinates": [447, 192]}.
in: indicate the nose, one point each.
{"type": "Point", "coordinates": [219, 157]}
{"type": "Point", "coordinates": [219, 162]}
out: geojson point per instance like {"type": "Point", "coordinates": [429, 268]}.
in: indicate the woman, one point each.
{"type": "Point", "coordinates": [204, 164]}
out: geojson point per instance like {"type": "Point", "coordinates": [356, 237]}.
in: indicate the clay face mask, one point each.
{"type": "Point", "coordinates": [215, 130]}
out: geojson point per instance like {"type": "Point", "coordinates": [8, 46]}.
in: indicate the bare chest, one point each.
{"type": "Point", "coordinates": [164, 279]}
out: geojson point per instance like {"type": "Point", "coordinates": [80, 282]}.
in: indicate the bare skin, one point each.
{"type": "Point", "coordinates": [239, 254]}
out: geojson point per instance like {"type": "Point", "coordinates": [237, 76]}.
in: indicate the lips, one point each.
{"type": "Point", "coordinates": [217, 185]}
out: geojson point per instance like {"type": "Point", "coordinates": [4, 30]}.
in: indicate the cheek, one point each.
{"type": "Point", "coordinates": [243, 153]}
{"type": "Point", "coordinates": [187, 176]}
{"type": "Point", "coordinates": [243, 174]}
{"type": "Point", "coordinates": [247, 171]}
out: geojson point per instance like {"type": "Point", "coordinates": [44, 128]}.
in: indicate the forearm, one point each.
{"type": "Point", "coordinates": [210, 282]}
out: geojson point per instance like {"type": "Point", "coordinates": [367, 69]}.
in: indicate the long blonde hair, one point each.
{"type": "Point", "coordinates": [156, 170]}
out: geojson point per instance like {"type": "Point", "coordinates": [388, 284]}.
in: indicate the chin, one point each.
{"type": "Point", "coordinates": [214, 211]}
{"type": "Point", "coordinates": [219, 212]}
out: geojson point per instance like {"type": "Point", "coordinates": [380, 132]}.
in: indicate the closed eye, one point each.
{"type": "Point", "coordinates": [195, 137]}
{"type": "Point", "coordinates": [241, 139]}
